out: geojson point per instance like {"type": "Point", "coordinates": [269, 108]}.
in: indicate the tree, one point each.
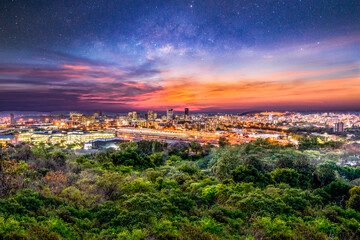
{"type": "Point", "coordinates": [56, 181]}
{"type": "Point", "coordinates": [308, 142]}
{"type": "Point", "coordinates": [188, 168]}
{"type": "Point", "coordinates": [181, 200]}
{"type": "Point", "coordinates": [174, 160]}
{"type": "Point", "coordinates": [29, 199]}
{"type": "Point", "coordinates": [145, 146]}
{"type": "Point", "coordinates": [285, 160]}
{"type": "Point", "coordinates": [195, 147]}
{"type": "Point", "coordinates": [41, 232]}
{"type": "Point", "coordinates": [128, 146]}
{"type": "Point", "coordinates": [130, 158]}
{"type": "Point", "coordinates": [23, 152]}
{"type": "Point", "coordinates": [157, 146]}
{"type": "Point", "coordinates": [223, 142]}
{"type": "Point", "coordinates": [250, 174]}
{"type": "Point", "coordinates": [254, 161]}
{"type": "Point", "coordinates": [303, 165]}
{"type": "Point", "coordinates": [286, 175]}
{"type": "Point", "coordinates": [324, 174]}
{"type": "Point", "coordinates": [103, 157]}
{"type": "Point", "coordinates": [229, 160]}
{"type": "Point", "coordinates": [157, 159]}
{"type": "Point", "coordinates": [150, 147]}
{"type": "Point", "coordinates": [315, 157]}
{"type": "Point", "coordinates": [75, 197]}
{"type": "Point", "coordinates": [354, 201]}
{"type": "Point", "coordinates": [338, 191]}
{"type": "Point", "coordinates": [110, 184]}
{"type": "Point", "coordinates": [59, 157]}
{"type": "Point", "coordinates": [13, 176]}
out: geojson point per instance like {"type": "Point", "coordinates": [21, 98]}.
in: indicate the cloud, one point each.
{"type": "Point", "coordinates": [72, 82]}
{"type": "Point", "coordinates": [172, 76]}
{"type": "Point", "coordinates": [300, 90]}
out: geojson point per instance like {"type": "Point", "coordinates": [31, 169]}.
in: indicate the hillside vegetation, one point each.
{"type": "Point", "coordinates": [149, 190]}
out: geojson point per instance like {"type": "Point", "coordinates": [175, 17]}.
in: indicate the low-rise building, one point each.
{"type": "Point", "coordinates": [4, 139]}
{"type": "Point", "coordinates": [62, 137]}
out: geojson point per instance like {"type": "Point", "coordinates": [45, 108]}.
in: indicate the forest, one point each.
{"type": "Point", "coordinates": [152, 190]}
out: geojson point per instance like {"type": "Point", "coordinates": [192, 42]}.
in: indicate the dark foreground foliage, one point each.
{"type": "Point", "coordinates": [148, 190]}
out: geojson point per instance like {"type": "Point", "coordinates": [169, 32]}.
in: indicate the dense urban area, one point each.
{"type": "Point", "coordinates": [180, 175]}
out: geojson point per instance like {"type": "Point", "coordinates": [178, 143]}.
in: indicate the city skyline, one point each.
{"type": "Point", "coordinates": [211, 56]}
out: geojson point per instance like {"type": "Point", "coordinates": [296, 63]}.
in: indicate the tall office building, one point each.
{"type": "Point", "coordinates": [79, 118]}
{"type": "Point", "coordinates": [76, 118]}
{"type": "Point", "coordinates": [98, 114]}
{"type": "Point", "coordinates": [339, 127]}
{"type": "Point", "coordinates": [12, 119]}
{"type": "Point", "coordinates": [150, 116]}
{"type": "Point", "coordinates": [133, 115]}
{"type": "Point", "coordinates": [87, 120]}
{"type": "Point", "coordinates": [169, 115]}
{"type": "Point", "coordinates": [186, 116]}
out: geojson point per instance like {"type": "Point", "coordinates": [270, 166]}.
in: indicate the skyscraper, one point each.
{"type": "Point", "coordinates": [12, 119]}
{"type": "Point", "coordinates": [150, 116]}
{"type": "Point", "coordinates": [76, 118]}
{"type": "Point", "coordinates": [169, 115]}
{"type": "Point", "coordinates": [339, 127]}
{"type": "Point", "coordinates": [98, 114]}
{"type": "Point", "coordinates": [133, 115]}
{"type": "Point", "coordinates": [186, 116]}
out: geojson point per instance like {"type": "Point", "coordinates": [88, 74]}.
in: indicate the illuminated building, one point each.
{"type": "Point", "coordinates": [123, 120]}
{"type": "Point", "coordinates": [151, 115]}
{"type": "Point", "coordinates": [57, 138]}
{"type": "Point", "coordinates": [187, 116]}
{"type": "Point", "coordinates": [98, 114]}
{"type": "Point", "coordinates": [4, 139]}
{"type": "Point", "coordinates": [40, 137]}
{"type": "Point", "coordinates": [339, 127]}
{"type": "Point", "coordinates": [134, 115]}
{"type": "Point", "coordinates": [78, 137]}
{"type": "Point", "coordinates": [12, 119]}
{"type": "Point", "coordinates": [65, 137]}
{"type": "Point", "coordinates": [25, 137]}
{"type": "Point", "coordinates": [89, 119]}
{"type": "Point", "coordinates": [104, 143]}
{"type": "Point", "coordinates": [169, 115]}
{"type": "Point", "coordinates": [78, 118]}
{"type": "Point", "coordinates": [34, 137]}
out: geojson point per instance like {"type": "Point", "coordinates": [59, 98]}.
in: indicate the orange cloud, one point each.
{"type": "Point", "coordinates": [76, 67]}
{"type": "Point", "coordinates": [243, 94]}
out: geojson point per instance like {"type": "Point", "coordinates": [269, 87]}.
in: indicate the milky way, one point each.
{"type": "Point", "coordinates": [205, 55]}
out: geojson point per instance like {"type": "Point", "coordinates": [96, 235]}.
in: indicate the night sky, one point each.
{"type": "Point", "coordinates": [209, 55]}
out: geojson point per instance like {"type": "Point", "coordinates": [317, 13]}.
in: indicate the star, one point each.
{"type": "Point", "coordinates": [230, 35]}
